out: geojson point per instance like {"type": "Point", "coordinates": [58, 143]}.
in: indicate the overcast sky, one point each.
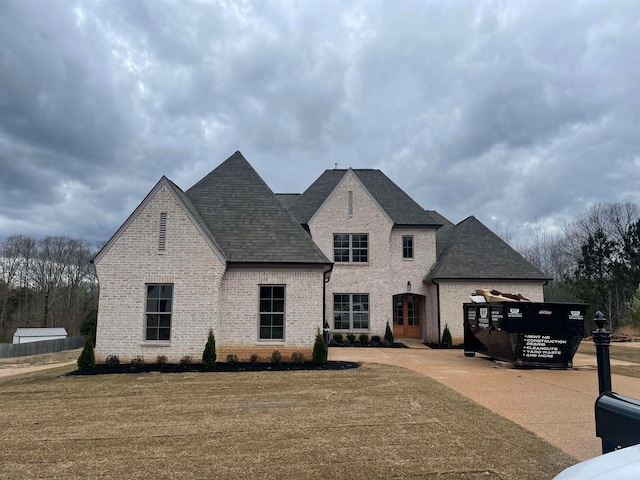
{"type": "Point", "coordinates": [512, 111]}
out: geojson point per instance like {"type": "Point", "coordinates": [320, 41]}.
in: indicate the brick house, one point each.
{"type": "Point", "coordinates": [398, 263]}
{"type": "Point", "coordinates": [264, 270]}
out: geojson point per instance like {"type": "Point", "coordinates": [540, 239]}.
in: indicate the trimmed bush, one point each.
{"type": "Point", "coordinates": [352, 338]}
{"type": "Point", "coordinates": [137, 362]}
{"type": "Point", "coordinates": [375, 339]}
{"type": "Point", "coordinates": [364, 338]}
{"type": "Point", "coordinates": [254, 359]}
{"type": "Point", "coordinates": [276, 357]}
{"type": "Point", "coordinates": [87, 358]}
{"type": "Point", "coordinates": [447, 342]}
{"type": "Point", "coordinates": [297, 357]}
{"type": "Point", "coordinates": [186, 360]}
{"type": "Point", "coordinates": [232, 359]}
{"type": "Point", "coordinates": [112, 361]}
{"type": "Point", "coordinates": [320, 350]}
{"type": "Point", "coordinates": [161, 360]}
{"type": "Point", "coordinates": [337, 337]}
{"type": "Point", "coordinates": [209, 355]}
{"type": "Point", "coordinates": [388, 335]}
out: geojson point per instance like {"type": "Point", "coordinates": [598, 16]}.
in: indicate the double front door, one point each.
{"type": "Point", "coordinates": [408, 314]}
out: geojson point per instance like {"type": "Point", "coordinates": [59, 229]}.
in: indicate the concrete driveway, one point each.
{"type": "Point", "coordinates": [557, 405]}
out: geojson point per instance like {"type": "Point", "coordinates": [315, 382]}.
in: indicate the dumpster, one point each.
{"type": "Point", "coordinates": [527, 334]}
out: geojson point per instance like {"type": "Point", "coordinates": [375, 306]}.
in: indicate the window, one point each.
{"type": "Point", "coordinates": [351, 247]}
{"type": "Point", "coordinates": [158, 312]}
{"type": "Point", "coordinates": [350, 203]}
{"type": "Point", "coordinates": [407, 246]}
{"type": "Point", "coordinates": [271, 312]}
{"type": "Point", "coordinates": [351, 311]}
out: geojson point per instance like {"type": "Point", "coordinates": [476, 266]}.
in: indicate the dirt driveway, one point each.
{"type": "Point", "coordinates": [555, 404]}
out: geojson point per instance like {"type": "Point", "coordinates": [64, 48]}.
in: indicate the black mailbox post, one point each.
{"type": "Point", "coordinates": [617, 416]}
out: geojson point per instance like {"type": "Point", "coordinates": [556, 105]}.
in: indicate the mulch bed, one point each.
{"type": "Point", "coordinates": [103, 369]}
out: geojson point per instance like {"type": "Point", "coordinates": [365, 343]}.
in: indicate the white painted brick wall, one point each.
{"type": "Point", "coordinates": [133, 261]}
{"type": "Point", "coordinates": [386, 273]}
{"type": "Point", "coordinates": [239, 315]}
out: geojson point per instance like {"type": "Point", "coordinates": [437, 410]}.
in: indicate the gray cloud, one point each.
{"type": "Point", "coordinates": [513, 112]}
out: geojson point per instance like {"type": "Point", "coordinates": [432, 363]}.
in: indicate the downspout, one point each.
{"type": "Point", "coordinates": [325, 324]}
{"type": "Point", "coordinates": [438, 300]}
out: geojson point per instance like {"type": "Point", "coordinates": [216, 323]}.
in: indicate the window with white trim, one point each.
{"type": "Point", "coordinates": [351, 247]}
{"type": "Point", "coordinates": [272, 302]}
{"type": "Point", "coordinates": [159, 305]}
{"type": "Point", "coordinates": [351, 311]}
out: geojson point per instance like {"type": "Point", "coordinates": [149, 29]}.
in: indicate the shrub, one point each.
{"type": "Point", "coordinates": [232, 359]}
{"type": "Point", "coordinates": [137, 362]}
{"type": "Point", "coordinates": [87, 358]}
{"type": "Point", "coordinates": [161, 360]}
{"type": "Point", "coordinates": [388, 335]}
{"type": "Point", "coordinates": [447, 342]}
{"type": "Point", "coordinates": [375, 339]}
{"type": "Point", "coordinates": [276, 357]}
{"type": "Point", "coordinates": [186, 360]}
{"type": "Point", "coordinates": [112, 361]}
{"type": "Point", "coordinates": [337, 337]}
{"type": "Point", "coordinates": [351, 337]}
{"type": "Point", "coordinates": [254, 359]}
{"type": "Point", "coordinates": [364, 338]}
{"type": "Point", "coordinates": [209, 355]}
{"type": "Point", "coordinates": [297, 357]}
{"type": "Point", "coordinates": [320, 350]}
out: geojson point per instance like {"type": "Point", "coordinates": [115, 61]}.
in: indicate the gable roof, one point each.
{"type": "Point", "coordinates": [399, 206]}
{"type": "Point", "coordinates": [183, 200]}
{"type": "Point", "coordinates": [469, 250]}
{"type": "Point", "coordinates": [246, 218]}
{"type": "Point", "coordinates": [41, 332]}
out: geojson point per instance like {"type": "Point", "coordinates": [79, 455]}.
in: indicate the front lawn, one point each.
{"type": "Point", "coordinates": [375, 421]}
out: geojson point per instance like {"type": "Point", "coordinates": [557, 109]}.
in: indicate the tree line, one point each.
{"type": "Point", "coordinates": [48, 282]}
{"type": "Point", "coordinates": [594, 259]}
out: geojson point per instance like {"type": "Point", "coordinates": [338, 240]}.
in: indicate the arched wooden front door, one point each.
{"type": "Point", "coordinates": [408, 315]}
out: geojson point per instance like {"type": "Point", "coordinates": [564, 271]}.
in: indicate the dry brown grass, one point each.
{"type": "Point", "coordinates": [617, 351]}
{"type": "Point", "coordinates": [377, 421]}
{"type": "Point", "coordinates": [45, 358]}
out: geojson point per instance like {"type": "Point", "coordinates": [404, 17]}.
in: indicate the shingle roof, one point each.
{"type": "Point", "coordinates": [470, 250]}
{"type": "Point", "coordinates": [41, 332]}
{"type": "Point", "coordinates": [400, 207]}
{"type": "Point", "coordinates": [247, 220]}
{"type": "Point", "coordinates": [288, 199]}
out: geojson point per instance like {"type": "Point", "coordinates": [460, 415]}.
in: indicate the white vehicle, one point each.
{"type": "Point", "coordinates": [623, 464]}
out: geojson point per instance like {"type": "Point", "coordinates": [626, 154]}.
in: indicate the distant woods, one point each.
{"type": "Point", "coordinates": [593, 259]}
{"type": "Point", "coordinates": [49, 282]}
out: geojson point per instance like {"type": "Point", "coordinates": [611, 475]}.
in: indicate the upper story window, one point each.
{"type": "Point", "coordinates": [407, 246]}
{"type": "Point", "coordinates": [271, 312]}
{"type": "Point", "coordinates": [158, 311]}
{"type": "Point", "coordinates": [351, 247]}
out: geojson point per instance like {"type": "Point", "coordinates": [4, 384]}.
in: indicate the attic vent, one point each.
{"type": "Point", "coordinates": [162, 237]}
{"type": "Point", "coordinates": [350, 203]}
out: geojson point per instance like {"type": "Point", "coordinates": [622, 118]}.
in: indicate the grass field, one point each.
{"type": "Point", "coordinates": [617, 351]}
{"type": "Point", "coordinates": [372, 422]}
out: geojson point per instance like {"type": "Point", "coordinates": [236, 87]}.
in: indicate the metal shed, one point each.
{"type": "Point", "coordinates": [28, 335]}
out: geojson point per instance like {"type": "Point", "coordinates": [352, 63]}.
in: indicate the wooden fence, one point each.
{"type": "Point", "coordinates": [9, 350]}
